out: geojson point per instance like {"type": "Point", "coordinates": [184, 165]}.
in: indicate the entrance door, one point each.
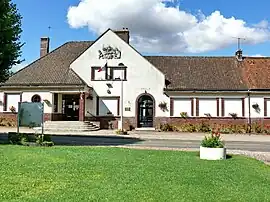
{"type": "Point", "coordinates": [145, 111]}
{"type": "Point", "coordinates": [70, 107]}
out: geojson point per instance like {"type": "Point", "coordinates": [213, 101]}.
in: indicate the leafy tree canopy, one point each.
{"type": "Point", "coordinates": [10, 32]}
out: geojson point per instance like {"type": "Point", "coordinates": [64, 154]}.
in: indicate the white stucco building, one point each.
{"type": "Point", "coordinates": [155, 88]}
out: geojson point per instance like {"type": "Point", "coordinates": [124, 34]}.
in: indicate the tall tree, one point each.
{"type": "Point", "coordinates": [10, 33]}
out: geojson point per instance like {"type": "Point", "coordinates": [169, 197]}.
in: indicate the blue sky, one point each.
{"type": "Point", "coordinates": [38, 15]}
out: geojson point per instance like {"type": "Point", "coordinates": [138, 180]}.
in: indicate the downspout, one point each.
{"type": "Point", "coordinates": [249, 119]}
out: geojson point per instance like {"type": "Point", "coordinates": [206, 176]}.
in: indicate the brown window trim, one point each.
{"type": "Point", "coordinates": [5, 109]}
{"type": "Point", "coordinates": [243, 107]}
{"type": "Point", "coordinates": [111, 68]}
{"type": "Point", "coordinates": [265, 106]}
{"type": "Point", "coordinates": [217, 106]}
{"type": "Point", "coordinates": [192, 106]}
{"type": "Point", "coordinates": [222, 107]}
{"type": "Point", "coordinates": [171, 106]}
{"type": "Point", "coordinates": [197, 107]}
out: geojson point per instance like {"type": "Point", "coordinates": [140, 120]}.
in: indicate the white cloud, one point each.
{"type": "Point", "coordinates": [258, 55]}
{"type": "Point", "coordinates": [157, 27]}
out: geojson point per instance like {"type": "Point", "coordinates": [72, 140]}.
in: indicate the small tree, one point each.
{"type": "Point", "coordinates": [10, 32]}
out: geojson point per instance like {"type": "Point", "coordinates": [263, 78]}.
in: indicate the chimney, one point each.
{"type": "Point", "coordinates": [239, 55]}
{"type": "Point", "coordinates": [44, 46]}
{"type": "Point", "coordinates": [123, 34]}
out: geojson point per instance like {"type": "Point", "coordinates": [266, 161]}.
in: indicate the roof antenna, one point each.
{"type": "Point", "coordinates": [239, 52]}
{"type": "Point", "coordinates": [239, 42]}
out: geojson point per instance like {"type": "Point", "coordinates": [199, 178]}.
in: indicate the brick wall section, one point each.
{"type": "Point", "coordinates": [13, 117]}
{"type": "Point", "coordinates": [129, 122]}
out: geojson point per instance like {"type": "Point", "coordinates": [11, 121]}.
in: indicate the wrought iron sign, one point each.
{"type": "Point", "coordinates": [109, 53]}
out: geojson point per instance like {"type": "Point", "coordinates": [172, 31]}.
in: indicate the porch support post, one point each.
{"type": "Point", "coordinates": [82, 107]}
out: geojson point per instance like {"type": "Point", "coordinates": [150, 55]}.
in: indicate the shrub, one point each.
{"type": "Point", "coordinates": [8, 122]}
{"type": "Point", "coordinates": [204, 127]}
{"type": "Point", "coordinates": [19, 139]}
{"type": "Point", "coordinates": [184, 114]}
{"type": "Point", "coordinates": [40, 139]}
{"type": "Point", "coordinates": [27, 139]}
{"type": "Point", "coordinates": [167, 127]}
{"type": "Point", "coordinates": [233, 115]}
{"type": "Point", "coordinates": [188, 128]}
{"type": "Point", "coordinates": [121, 132]}
{"type": "Point", "coordinates": [213, 140]}
{"type": "Point", "coordinates": [47, 144]}
{"type": "Point", "coordinates": [256, 128]}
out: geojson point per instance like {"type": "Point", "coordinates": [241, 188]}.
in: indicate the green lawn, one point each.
{"type": "Point", "coordinates": [113, 174]}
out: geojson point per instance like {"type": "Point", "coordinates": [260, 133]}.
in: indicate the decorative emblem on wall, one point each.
{"type": "Point", "coordinates": [109, 53]}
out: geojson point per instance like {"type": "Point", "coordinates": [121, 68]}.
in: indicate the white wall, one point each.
{"type": "Point", "coordinates": [108, 105]}
{"type": "Point", "coordinates": [141, 75]}
{"type": "Point", "coordinates": [207, 106]}
{"type": "Point", "coordinates": [26, 97]}
{"type": "Point", "coordinates": [259, 99]}
{"type": "Point", "coordinates": [232, 105]}
{"type": "Point", "coordinates": [181, 105]}
{"type": "Point", "coordinates": [268, 108]}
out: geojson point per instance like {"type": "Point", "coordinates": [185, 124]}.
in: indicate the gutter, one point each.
{"type": "Point", "coordinates": [40, 87]}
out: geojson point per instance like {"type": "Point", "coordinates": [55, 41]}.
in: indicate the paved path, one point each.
{"type": "Point", "coordinates": [153, 135]}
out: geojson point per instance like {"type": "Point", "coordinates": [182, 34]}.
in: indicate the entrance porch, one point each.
{"type": "Point", "coordinates": [68, 106]}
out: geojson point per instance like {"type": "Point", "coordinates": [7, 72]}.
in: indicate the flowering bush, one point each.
{"type": "Point", "coordinates": [213, 140]}
{"type": "Point", "coordinates": [184, 114]}
{"type": "Point", "coordinates": [12, 109]}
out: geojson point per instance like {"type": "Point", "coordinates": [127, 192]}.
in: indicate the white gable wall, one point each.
{"type": "Point", "coordinates": [141, 75]}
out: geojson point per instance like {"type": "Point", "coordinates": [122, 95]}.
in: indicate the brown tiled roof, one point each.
{"type": "Point", "coordinates": [256, 72]}
{"type": "Point", "coordinates": [200, 73]}
{"type": "Point", "coordinates": [52, 69]}
{"type": "Point", "coordinates": [183, 73]}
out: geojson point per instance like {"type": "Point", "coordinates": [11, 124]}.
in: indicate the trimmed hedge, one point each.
{"type": "Point", "coordinates": [29, 139]}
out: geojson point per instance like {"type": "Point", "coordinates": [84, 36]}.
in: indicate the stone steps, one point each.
{"type": "Point", "coordinates": [69, 126]}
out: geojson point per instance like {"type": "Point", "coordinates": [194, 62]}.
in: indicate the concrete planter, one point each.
{"type": "Point", "coordinates": [212, 153]}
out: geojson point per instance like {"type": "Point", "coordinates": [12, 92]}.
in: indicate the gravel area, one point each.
{"type": "Point", "coordinates": [261, 156]}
